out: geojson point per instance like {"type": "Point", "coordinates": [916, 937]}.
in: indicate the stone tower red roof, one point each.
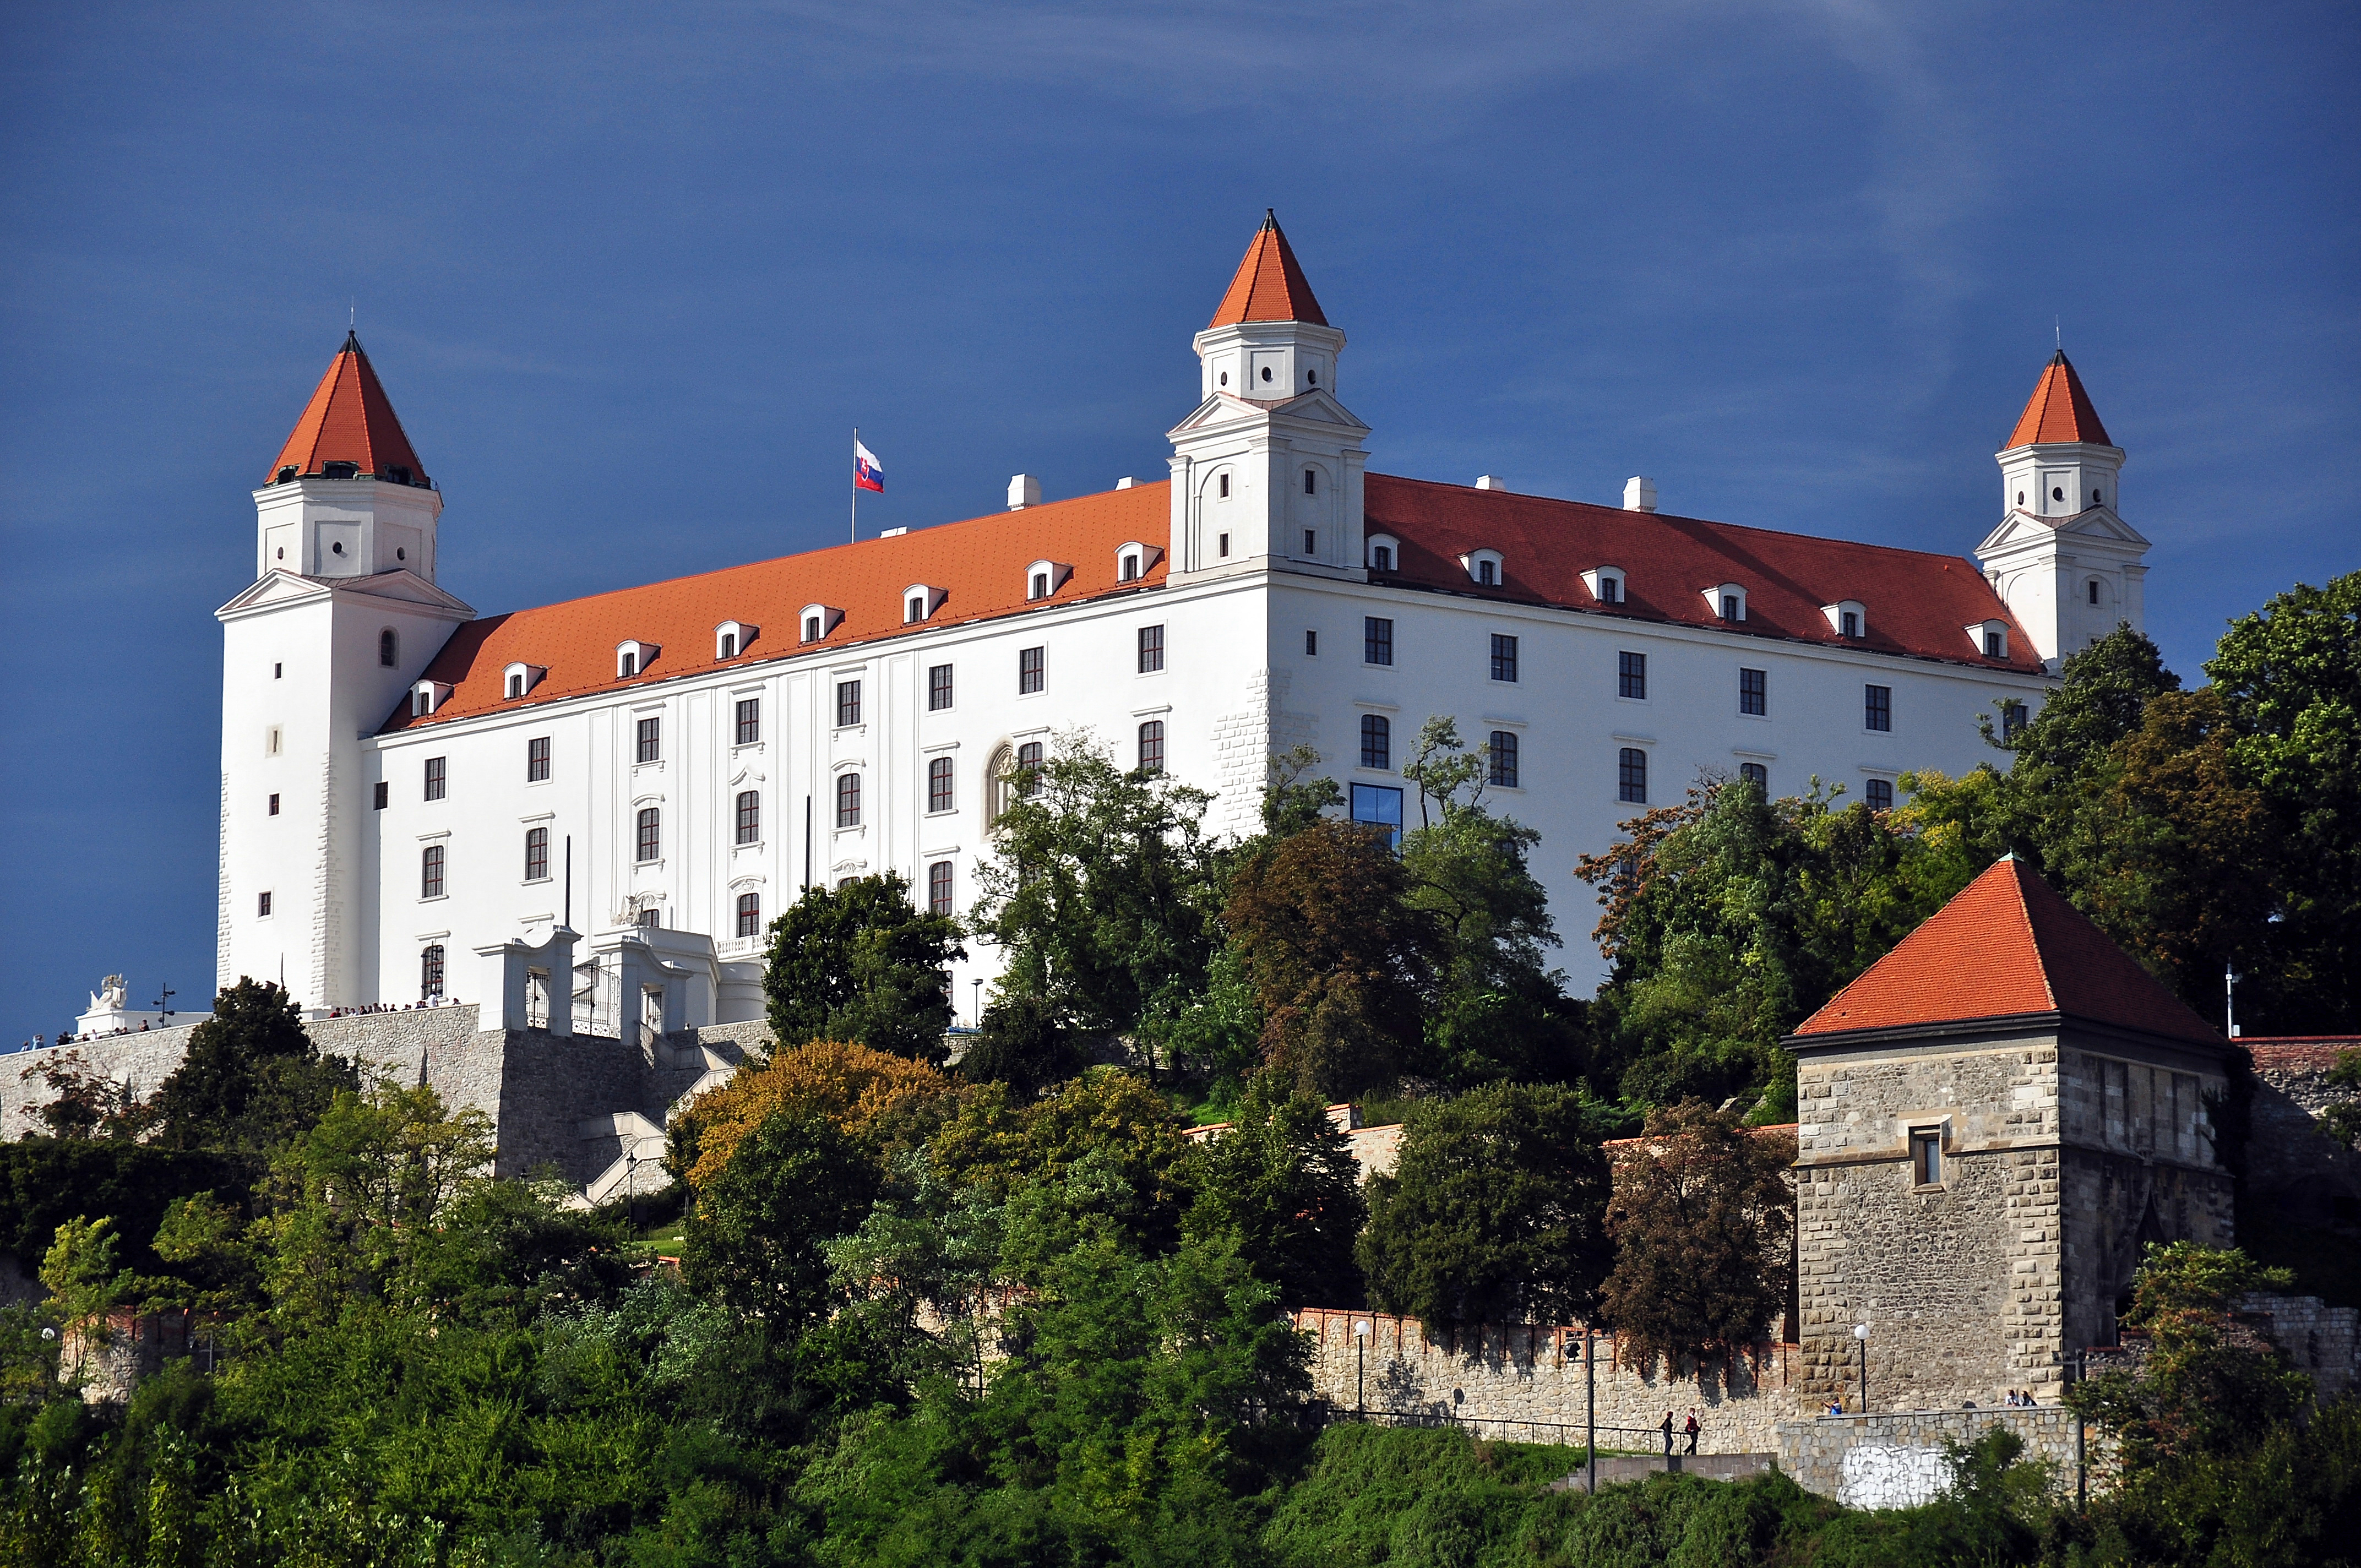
{"type": "Point", "coordinates": [349, 420]}
{"type": "Point", "coordinates": [2060, 410]}
{"type": "Point", "coordinates": [1270, 285]}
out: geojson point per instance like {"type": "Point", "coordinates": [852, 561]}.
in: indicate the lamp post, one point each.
{"type": "Point", "coordinates": [1861, 1332]}
{"type": "Point", "coordinates": [1590, 1404]}
{"type": "Point", "coordinates": [1360, 1367]}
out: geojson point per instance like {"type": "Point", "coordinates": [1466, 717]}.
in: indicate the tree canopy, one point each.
{"type": "Point", "coordinates": [861, 962]}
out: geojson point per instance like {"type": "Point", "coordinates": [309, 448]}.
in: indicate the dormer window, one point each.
{"type": "Point", "coordinates": [1484, 567]}
{"type": "Point", "coordinates": [819, 619]}
{"type": "Point", "coordinates": [426, 696]}
{"type": "Point", "coordinates": [1384, 551]}
{"type": "Point", "coordinates": [286, 474]}
{"type": "Point", "coordinates": [1849, 619]}
{"type": "Point", "coordinates": [1044, 578]}
{"type": "Point", "coordinates": [919, 602]}
{"type": "Point", "coordinates": [1604, 583]}
{"type": "Point", "coordinates": [519, 679]}
{"type": "Point", "coordinates": [1132, 559]}
{"type": "Point", "coordinates": [399, 474]}
{"type": "Point", "coordinates": [632, 659]}
{"type": "Point", "coordinates": [340, 470]}
{"type": "Point", "coordinates": [1727, 602]}
{"type": "Point", "coordinates": [733, 638]}
{"type": "Point", "coordinates": [1991, 637]}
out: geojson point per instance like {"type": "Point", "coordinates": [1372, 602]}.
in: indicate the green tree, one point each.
{"type": "Point", "coordinates": [2289, 680]}
{"type": "Point", "coordinates": [251, 1078]}
{"type": "Point", "coordinates": [1342, 966]}
{"type": "Point", "coordinates": [1701, 1219]}
{"type": "Point", "coordinates": [1281, 1179]}
{"type": "Point", "coordinates": [1103, 892]}
{"type": "Point", "coordinates": [860, 962]}
{"type": "Point", "coordinates": [756, 1239]}
{"type": "Point", "coordinates": [1022, 1043]}
{"type": "Point", "coordinates": [84, 1104]}
{"type": "Point", "coordinates": [1495, 1211]}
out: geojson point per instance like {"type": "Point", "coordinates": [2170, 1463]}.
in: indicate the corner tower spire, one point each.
{"type": "Point", "coordinates": [1270, 285]}
{"type": "Point", "coordinates": [349, 421]}
{"type": "Point", "coordinates": [347, 496]}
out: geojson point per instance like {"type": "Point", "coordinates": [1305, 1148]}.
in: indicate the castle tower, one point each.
{"type": "Point", "coordinates": [1267, 471]}
{"type": "Point", "coordinates": [341, 619]}
{"type": "Point", "coordinates": [2063, 559]}
{"type": "Point", "coordinates": [1994, 1118]}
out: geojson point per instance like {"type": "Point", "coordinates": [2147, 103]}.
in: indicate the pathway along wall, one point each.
{"type": "Point", "coordinates": [1530, 1373]}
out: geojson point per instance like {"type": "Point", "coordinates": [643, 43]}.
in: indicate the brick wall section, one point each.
{"type": "Point", "coordinates": [1530, 1373]}
{"type": "Point", "coordinates": [1896, 1461]}
{"type": "Point", "coordinates": [2307, 1174]}
{"type": "Point", "coordinates": [2320, 1339]}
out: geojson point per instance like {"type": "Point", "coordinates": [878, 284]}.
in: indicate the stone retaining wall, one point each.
{"type": "Point", "coordinates": [1896, 1461]}
{"type": "Point", "coordinates": [1523, 1373]}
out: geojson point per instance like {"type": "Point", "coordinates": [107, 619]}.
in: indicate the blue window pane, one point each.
{"type": "Point", "coordinates": [1379, 803]}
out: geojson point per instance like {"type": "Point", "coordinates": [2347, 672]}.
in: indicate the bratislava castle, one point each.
{"type": "Point", "coordinates": [609, 798]}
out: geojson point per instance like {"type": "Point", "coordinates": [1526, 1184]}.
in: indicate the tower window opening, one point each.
{"type": "Point", "coordinates": [1312, 377]}
{"type": "Point", "coordinates": [287, 474]}
{"type": "Point", "coordinates": [1927, 1158]}
{"type": "Point", "coordinates": [1222, 488]}
{"type": "Point", "coordinates": [2020, 497]}
{"type": "Point", "coordinates": [1266, 372]}
{"type": "Point", "coordinates": [1225, 378]}
{"type": "Point", "coordinates": [2093, 588]}
{"type": "Point", "coordinates": [388, 648]}
{"type": "Point", "coordinates": [2094, 497]}
{"type": "Point", "coordinates": [2057, 492]}
{"type": "Point", "coordinates": [1312, 481]}
{"type": "Point", "coordinates": [1310, 541]}
{"type": "Point", "coordinates": [1225, 539]}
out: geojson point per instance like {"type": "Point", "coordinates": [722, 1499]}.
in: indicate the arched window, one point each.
{"type": "Point", "coordinates": [430, 973]}
{"type": "Point", "coordinates": [1151, 746]}
{"type": "Point", "coordinates": [1030, 758]}
{"type": "Point", "coordinates": [430, 871]}
{"type": "Point", "coordinates": [750, 816]}
{"type": "Point", "coordinates": [1377, 741]}
{"type": "Point", "coordinates": [750, 914]}
{"type": "Point", "coordinates": [847, 800]}
{"type": "Point", "coordinates": [388, 648]}
{"type": "Point", "coordinates": [536, 854]}
{"type": "Point", "coordinates": [650, 846]}
{"type": "Point", "coordinates": [1631, 776]}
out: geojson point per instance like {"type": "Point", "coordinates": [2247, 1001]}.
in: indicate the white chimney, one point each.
{"type": "Point", "coordinates": [1024, 490]}
{"type": "Point", "coordinates": [1490, 482]}
{"type": "Point", "coordinates": [1126, 482]}
{"type": "Point", "coordinates": [1639, 494]}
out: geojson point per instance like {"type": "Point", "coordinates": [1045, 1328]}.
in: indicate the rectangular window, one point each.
{"type": "Point", "coordinates": [848, 703]}
{"type": "Point", "coordinates": [1381, 805]}
{"type": "Point", "coordinates": [651, 839]}
{"type": "Point", "coordinates": [1504, 657]}
{"type": "Point", "coordinates": [1376, 640]}
{"type": "Point", "coordinates": [1631, 676]}
{"type": "Point", "coordinates": [2012, 719]}
{"type": "Point", "coordinates": [1031, 663]}
{"type": "Point", "coordinates": [847, 800]}
{"type": "Point", "coordinates": [1503, 759]}
{"type": "Point", "coordinates": [1754, 691]}
{"type": "Point", "coordinates": [436, 778]}
{"type": "Point", "coordinates": [274, 806]}
{"type": "Point", "coordinates": [1225, 538]}
{"type": "Point", "coordinates": [536, 759]}
{"type": "Point", "coordinates": [1631, 776]}
{"type": "Point", "coordinates": [750, 720]}
{"type": "Point", "coordinates": [1377, 741]}
{"type": "Point", "coordinates": [1151, 746]}
{"type": "Point", "coordinates": [1756, 774]}
{"type": "Point", "coordinates": [1927, 1158]}
{"type": "Point", "coordinates": [650, 738]}
{"type": "Point", "coordinates": [1877, 707]}
{"type": "Point", "coordinates": [1151, 649]}
{"type": "Point", "coordinates": [380, 794]}
{"type": "Point", "coordinates": [750, 914]}
{"type": "Point", "coordinates": [536, 854]}
{"type": "Point", "coordinates": [430, 970]}
{"type": "Point", "coordinates": [939, 888]}
{"type": "Point", "coordinates": [939, 687]}
{"type": "Point", "coordinates": [1028, 767]}
{"type": "Point", "coordinates": [430, 871]}
{"type": "Point", "coordinates": [750, 816]}
{"type": "Point", "coordinates": [1311, 540]}
{"type": "Point", "coordinates": [262, 905]}
{"type": "Point", "coordinates": [271, 742]}
{"type": "Point", "coordinates": [1881, 795]}
{"type": "Point", "coordinates": [1995, 646]}
{"type": "Point", "coordinates": [939, 784]}
{"type": "Point", "coordinates": [1311, 644]}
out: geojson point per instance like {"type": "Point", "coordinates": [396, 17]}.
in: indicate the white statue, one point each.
{"type": "Point", "coordinates": [110, 996]}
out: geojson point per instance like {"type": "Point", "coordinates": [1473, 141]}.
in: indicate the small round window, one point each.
{"type": "Point", "coordinates": [1225, 378]}
{"type": "Point", "coordinates": [1312, 377]}
{"type": "Point", "coordinates": [1266, 372]}
{"type": "Point", "coordinates": [2057, 492]}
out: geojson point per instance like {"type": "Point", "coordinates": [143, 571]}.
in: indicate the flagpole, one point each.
{"type": "Point", "coordinates": [855, 538]}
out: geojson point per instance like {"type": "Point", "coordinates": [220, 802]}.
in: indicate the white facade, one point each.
{"type": "Point", "coordinates": [1264, 599]}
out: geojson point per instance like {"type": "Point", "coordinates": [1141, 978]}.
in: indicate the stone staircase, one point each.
{"type": "Point", "coordinates": [687, 1068]}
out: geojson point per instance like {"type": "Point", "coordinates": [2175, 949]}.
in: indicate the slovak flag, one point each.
{"type": "Point", "coordinates": [868, 473]}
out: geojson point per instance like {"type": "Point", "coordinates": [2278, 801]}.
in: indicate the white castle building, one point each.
{"type": "Point", "coordinates": [412, 792]}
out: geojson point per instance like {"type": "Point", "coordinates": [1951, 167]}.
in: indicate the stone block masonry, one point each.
{"type": "Point", "coordinates": [1530, 1377]}
{"type": "Point", "coordinates": [1897, 1459]}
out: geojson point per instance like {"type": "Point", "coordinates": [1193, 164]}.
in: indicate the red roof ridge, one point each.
{"type": "Point", "coordinates": [2059, 410]}
{"type": "Point", "coordinates": [1270, 285]}
{"type": "Point", "coordinates": [2005, 945]}
{"type": "Point", "coordinates": [349, 420]}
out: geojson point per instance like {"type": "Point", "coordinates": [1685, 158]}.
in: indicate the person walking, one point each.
{"type": "Point", "coordinates": [1692, 1430]}
{"type": "Point", "coordinates": [1668, 1435]}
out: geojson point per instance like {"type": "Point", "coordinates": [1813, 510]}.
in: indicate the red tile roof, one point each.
{"type": "Point", "coordinates": [349, 420]}
{"type": "Point", "coordinates": [1269, 286]}
{"type": "Point", "coordinates": [2298, 1053]}
{"type": "Point", "coordinates": [1916, 603]}
{"type": "Point", "coordinates": [980, 562]}
{"type": "Point", "coordinates": [2060, 411]}
{"type": "Point", "coordinates": [2006, 945]}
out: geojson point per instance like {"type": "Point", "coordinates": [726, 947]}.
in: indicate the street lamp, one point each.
{"type": "Point", "coordinates": [1861, 1332]}
{"type": "Point", "coordinates": [1360, 1367]}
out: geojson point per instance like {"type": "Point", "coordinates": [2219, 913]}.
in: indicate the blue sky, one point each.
{"type": "Point", "coordinates": [631, 274]}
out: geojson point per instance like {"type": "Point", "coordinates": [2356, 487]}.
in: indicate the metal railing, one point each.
{"type": "Point", "coordinates": [1513, 1429]}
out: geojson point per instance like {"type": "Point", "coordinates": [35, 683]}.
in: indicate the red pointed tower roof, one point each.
{"type": "Point", "coordinates": [2007, 944]}
{"type": "Point", "coordinates": [2060, 411]}
{"type": "Point", "coordinates": [349, 420]}
{"type": "Point", "coordinates": [1269, 286]}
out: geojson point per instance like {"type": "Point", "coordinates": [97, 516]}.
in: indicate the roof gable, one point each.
{"type": "Point", "coordinates": [2006, 945]}
{"type": "Point", "coordinates": [1270, 285]}
{"type": "Point", "coordinates": [349, 420]}
{"type": "Point", "coordinates": [2060, 410]}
